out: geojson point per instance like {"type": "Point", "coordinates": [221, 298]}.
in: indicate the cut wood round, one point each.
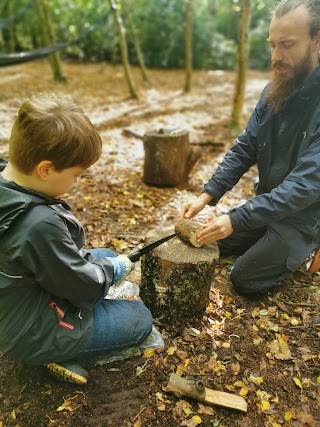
{"type": "Point", "coordinates": [188, 230]}
{"type": "Point", "coordinates": [176, 276]}
{"type": "Point", "coordinates": [168, 157]}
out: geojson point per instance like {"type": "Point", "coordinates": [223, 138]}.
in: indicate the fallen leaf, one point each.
{"type": "Point", "coordinates": [256, 379]}
{"type": "Point", "coordinates": [288, 416]}
{"type": "Point", "coordinates": [264, 405]}
{"type": "Point", "coordinates": [207, 410]}
{"type": "Point", "coordinates": [149, 352]}
{"type": "Point", "coordinates": [297, 382]}
{"type": "Point", "coordinates": [171, 350]}
{"type": "Point", "coordinates": [197, 419]}
{"type": "Point", "coordinates": [279, 349]}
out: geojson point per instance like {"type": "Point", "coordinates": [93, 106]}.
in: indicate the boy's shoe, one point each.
{"type": "Point", "coordinates": [126, 290]}
{"type": "Point", "coordinates": [69, 371]}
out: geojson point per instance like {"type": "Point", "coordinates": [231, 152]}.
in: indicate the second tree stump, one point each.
{"type": "Point", "coordinates": [169, 157]}
{"type": "Point", "coordinates": [176, 277]}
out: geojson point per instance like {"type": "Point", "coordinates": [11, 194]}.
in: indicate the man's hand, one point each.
{"type": "Point", "coordinates": [191, 209]}
{"type": "Point", "coordinates": [216, 229]}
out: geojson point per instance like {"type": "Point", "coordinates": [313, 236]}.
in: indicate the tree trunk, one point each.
{"type": "Point", "coordinates": [176, 277]}
{"type": "Point", "coordinates": [168, 157]}
{"type": "Point", "coordinates": [188, 47]}
{"type": "Point", "coordinates": [123, 49]}
{"type": "Point", "coordinates": [12, 44]}
{"type": "Point", "coordinates": [242, 64]}
{"type": "Point", "coordinates": [48, 38]}
{"type": "Point", "coordinates": [136, 43]}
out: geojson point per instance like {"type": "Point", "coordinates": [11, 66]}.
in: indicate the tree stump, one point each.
{"type": "Point", "coordinates": [176, 276]}
{"type": "Point", "coordinates": [168, 157]}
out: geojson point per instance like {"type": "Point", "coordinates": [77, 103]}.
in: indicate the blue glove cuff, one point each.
{"type": "Point", "coordinates": [122, 266]}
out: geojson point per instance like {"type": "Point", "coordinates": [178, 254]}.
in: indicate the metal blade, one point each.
{"type": "Point", "coordinates": [136, 255]}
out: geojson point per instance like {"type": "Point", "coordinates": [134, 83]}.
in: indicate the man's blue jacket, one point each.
{"type": "Point", "coordinates": [291, 190]}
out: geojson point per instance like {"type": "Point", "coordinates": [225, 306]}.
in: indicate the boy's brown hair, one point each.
{"type": "Point", "coordinates": [50, 127]}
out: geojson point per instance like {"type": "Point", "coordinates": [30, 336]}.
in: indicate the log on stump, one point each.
{"type": "Point", "coordinates": [168, 157]}
{"type": "Point", "coordinates": [188, 230]}
{"type": "Point", "coordinates": [176, 277]}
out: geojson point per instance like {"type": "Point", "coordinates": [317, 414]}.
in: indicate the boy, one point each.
{"type": "Point", "coordinates": [53, 309]}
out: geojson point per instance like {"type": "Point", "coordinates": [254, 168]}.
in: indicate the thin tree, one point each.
{"type": "Point", "coordinates": [136, 42]}
{"type": "Point", "coordinates": [188, 47]}
{"type": "Point", "coordinates": [123, 48]}
{"type": "Point", "coordinates": [242, 63]}
{"type": "Point", "coordinates": [48, 38]}
{"type": "Point", "coordinates": [12, 42]}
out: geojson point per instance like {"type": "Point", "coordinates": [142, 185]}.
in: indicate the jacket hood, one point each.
{"type": "Point", "coordinates": [15, 200]}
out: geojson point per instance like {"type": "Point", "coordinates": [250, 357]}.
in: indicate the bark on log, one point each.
{"type": "Point", "coordinates": [176, 277]}
{"type": "Point", "coordinates": [197, 390]}
{"type": "Point", "coordinates": [168, 157]}
{"type": "Point", "coordinates": [188, 230]}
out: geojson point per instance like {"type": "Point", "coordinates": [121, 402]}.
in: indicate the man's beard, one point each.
{"type": "Point", "coordinates": [281, 87]}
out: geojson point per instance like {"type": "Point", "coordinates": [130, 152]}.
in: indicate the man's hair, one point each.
{"type": "Point", "coordinates": [313, 7]}
{"type": "Point", "coordinates": [50, 127]}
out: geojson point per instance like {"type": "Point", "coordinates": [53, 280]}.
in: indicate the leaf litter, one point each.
{"type": "Point", "coordinates": [267, 350]}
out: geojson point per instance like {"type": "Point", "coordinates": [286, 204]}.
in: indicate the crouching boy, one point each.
{"type": "Point", "coordinates": [53, 309]}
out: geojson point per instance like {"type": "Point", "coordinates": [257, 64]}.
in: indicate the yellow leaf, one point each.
{"type": "Point", "coordinates": [187, 411]}
{"type": "Point", "coordinates": [263, 312]}
{"type": "Point", "coordinates": [288, 416]}
{"type": "Point", "coordinates": [257, 341]}
{"type": "Point", "coordinates": [297, 382]}
{"type": "Point", "coordinates": [264, 405]}
{"type": "Point", "coordinates": [120, 244]}
{"type": "Point", "coordinates": [273, 328]}
{"type": "Point", "coordinates": [239, 384]}
{"type": "Point", "coordinates": [244, 391]}
{"type": "Point", "coordinates": [318, 379]}
{"type": "Point", "coordinates": [229, 387]}
{"type": "Point", "coordinates": [149, 352]}
{"type": "Point", "coordinates": [180, 370]}
{"type": "Point", "coordinates": [256, 380]}
{"type": "Point", "coordinates": [197, 419]}
{"type": "Point", "coordinates": [225, 344]}
{"type": "Point", "coordinates": [171, 350]}
{"type": "Point", "coordinates": [294, 321]}
{"type": "Point", "coordinates": [263, 395]}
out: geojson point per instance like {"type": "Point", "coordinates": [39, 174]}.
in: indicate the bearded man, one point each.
{"type": "Point", "coordinates": [275, 231]}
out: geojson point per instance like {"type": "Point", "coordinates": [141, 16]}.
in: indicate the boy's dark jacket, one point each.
{"type": "Point", "coordinates": [48, 283]}
{"type": "Point", "coordinates": [289, 189]}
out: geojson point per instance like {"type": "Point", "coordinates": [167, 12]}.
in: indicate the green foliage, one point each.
{"type": "Point", "coordinates": [160, 27]}
{"type": "Point", "coordinates": [259, 47]}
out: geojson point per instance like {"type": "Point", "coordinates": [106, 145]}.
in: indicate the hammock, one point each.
{"type": "Point", "coordinates": [31, 55]}
{"type": "Point", "coordinates": [17, 58]}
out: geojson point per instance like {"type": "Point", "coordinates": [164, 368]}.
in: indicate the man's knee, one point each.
{"type": "Point", "coordinates": [247, 286]}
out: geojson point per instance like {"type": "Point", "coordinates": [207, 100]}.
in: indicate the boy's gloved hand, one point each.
{"type": "Point", "coordinates": [122, 266]}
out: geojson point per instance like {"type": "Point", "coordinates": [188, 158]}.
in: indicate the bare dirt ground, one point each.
{"type": "Point", "coordinates": [267, 350]}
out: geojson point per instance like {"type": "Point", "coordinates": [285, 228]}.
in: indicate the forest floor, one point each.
{"type": "Point", "coordinates": [266, 350]}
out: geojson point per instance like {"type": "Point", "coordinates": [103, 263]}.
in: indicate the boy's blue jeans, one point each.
{"type": "Point", "coordinates": [117, 324]}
